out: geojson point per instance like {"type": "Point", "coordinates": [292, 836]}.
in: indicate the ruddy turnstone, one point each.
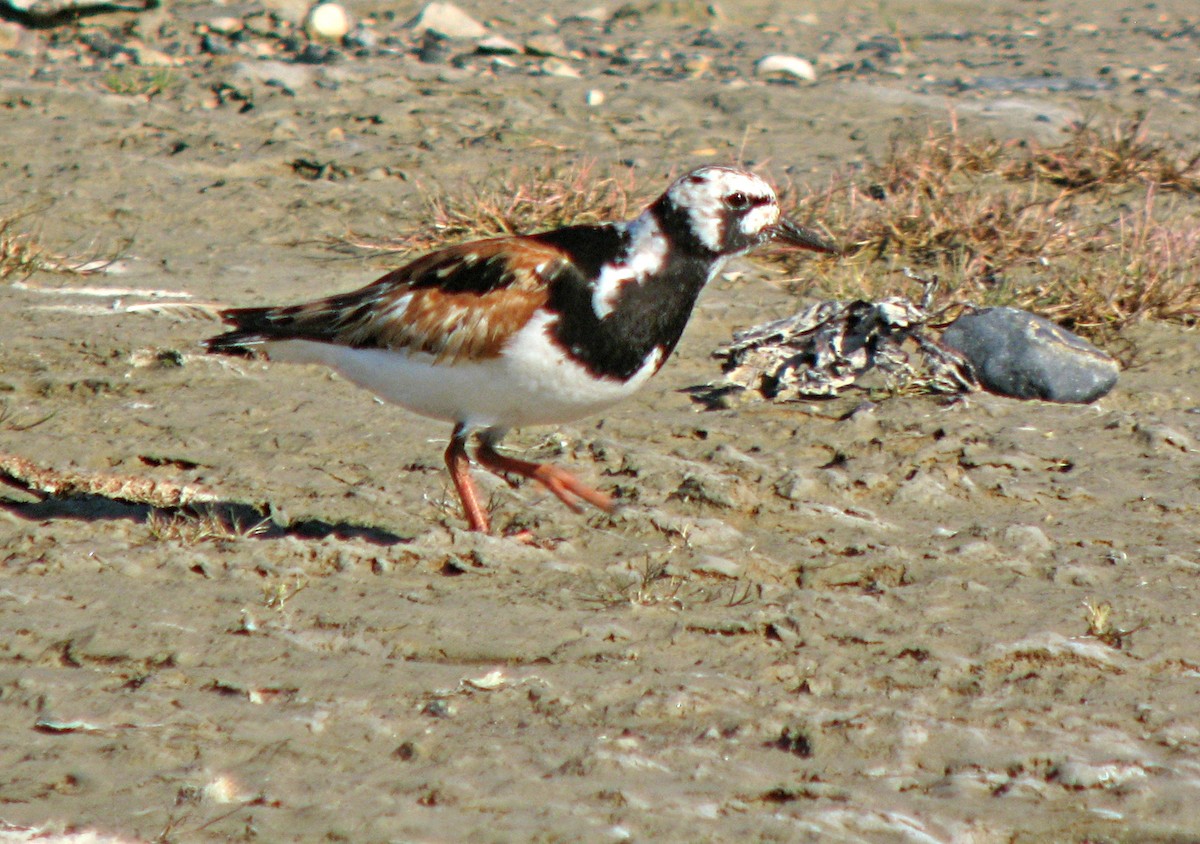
{"type": "Point", "coordinates": [533, 329]}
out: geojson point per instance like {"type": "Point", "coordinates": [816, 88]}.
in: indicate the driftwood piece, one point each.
{"type": "Point", "coordinates": [45, 482]}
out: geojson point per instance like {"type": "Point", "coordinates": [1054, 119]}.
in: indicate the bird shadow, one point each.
{"type": "Point", "coordinates": [210, 520]}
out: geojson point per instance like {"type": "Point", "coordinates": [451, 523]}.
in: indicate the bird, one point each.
{"type": "Point", "coordinates": [534, 329]}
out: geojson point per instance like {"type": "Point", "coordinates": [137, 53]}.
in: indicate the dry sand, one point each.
{"type": "Point", "coordinates": [804, 625]}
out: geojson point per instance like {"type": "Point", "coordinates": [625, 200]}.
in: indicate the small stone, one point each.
{"type": "Point", "coordinates": [596, 14]}
{"type": "Point", "coordinates": [149, 57]}
{"type": "Point", "coordinates": [547, 45]}
{"type": "Point", "coordinates": [498, 45]}
{"type": "Point", "coordinates": [719, 566]}
{"type": "Point", "coordinates": [435, 48]}
{"type": "Point", "coordinates": [226, 25]}
{"type": "Point", "coordinates": [215, 46]}
{"type": "Point", "coordinates": [448, 20]}
{"type": "Point", "coordinates": [780, 65]}
{"type": "Point", "coordinates": [292, 11]}
{"type": "Point", "coordinates": [1019, 354]}
{"type": "Point", "coordinates": [362, 38]}
{"type": "Point", "coordinates": [557, 67]}
{"type": "Point", "coordinates": [595, 97]}
{"type": "Point", "coordinates": [328, 22]}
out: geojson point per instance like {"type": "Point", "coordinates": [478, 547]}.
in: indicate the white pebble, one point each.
{"type": "Point", "coordinates": [780, 65]}
{"type": "Point", "coordinates": [328, 22]}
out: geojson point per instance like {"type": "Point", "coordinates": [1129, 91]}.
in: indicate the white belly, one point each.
{"type": "Point", "coordinates": [531, 383]}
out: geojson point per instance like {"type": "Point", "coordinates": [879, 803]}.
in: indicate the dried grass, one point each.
{"type": "Point", "coordinates": [526, 200]}
{"type": "Point", "coordinates": [1123, 154]}
{"type": "Point", "coordinates": [1043, 228]}
{"type": "Point", "coordinates": [1048, 228]}
{"type": "Point", "coordinates": [20, 254]}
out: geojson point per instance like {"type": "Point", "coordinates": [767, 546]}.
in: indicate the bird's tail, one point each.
{"type": "Point", "coordinates": [252, 327]}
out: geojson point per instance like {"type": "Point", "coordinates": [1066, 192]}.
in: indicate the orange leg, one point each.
{"type": "Point", "coordinates": [459, 465]}
{"type": "Point", "coordinates": [568, 488]}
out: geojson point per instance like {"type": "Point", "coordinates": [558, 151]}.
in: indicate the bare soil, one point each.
{"type": "Point", "coordinates": [811, 622]}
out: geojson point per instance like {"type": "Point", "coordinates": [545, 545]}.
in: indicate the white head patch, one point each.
{"type": "Point", "coordinates": [714, 197]}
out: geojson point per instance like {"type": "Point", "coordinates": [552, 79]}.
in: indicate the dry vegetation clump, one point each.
{"type": "Point", "coordinates": [1078, 232]}
{"type": "Point", "coordinates": [1096, 232]}
{"type": "Point", "coordinates": [1121, 155]}
{"type": "Point", "coordinates": [527, 200]}
{"type": "Point", "coordinates": [20, 254]}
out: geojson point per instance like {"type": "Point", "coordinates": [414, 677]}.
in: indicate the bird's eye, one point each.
{"type": "Point", "coordinates": [737, 201]}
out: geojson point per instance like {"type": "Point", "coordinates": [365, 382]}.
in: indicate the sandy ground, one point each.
{"type": "Point", "coordinates": [805, 625]}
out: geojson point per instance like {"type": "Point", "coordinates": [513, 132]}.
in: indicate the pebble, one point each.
{"type": "Point", "coordinates": [292, 11]}
{"type": "Point", "coordinates": [547, 45]}
{"type": "Point", "coordinates": [149, 57]}
{"type": "Point", "coordinates": [781, 65]}
{"type": "Point", "coordinates": [328, 22]}
{"type": "Point", "coordinates": [226, 25]}
{"type": "Point", "coordinates": [447, 19]}
{"type": "Point", "coordinates": [435, 48]}
{"type": "Point", "coordinates": [498, 45]}
{"type": "Point", "coordinates": [362, 38]}
{"type": "Point", "coordinates": [1019, 354]}
{"type": "Point", "coordinates": [557, 67]}
{"type": "Point", "coordinates": [719, 566]}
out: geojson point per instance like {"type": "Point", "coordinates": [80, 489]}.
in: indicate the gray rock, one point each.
{"type": "Point", "coordinates": [1019, 354]}
{"type": "Point", "coordinates": [448, 20]}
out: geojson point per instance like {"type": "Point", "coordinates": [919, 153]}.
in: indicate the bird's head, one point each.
{"type": "Point", "coordinates": [726, 211]}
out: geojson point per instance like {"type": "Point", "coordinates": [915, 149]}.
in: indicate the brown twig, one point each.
{"type": "Point", "coordinates": [45, 482]}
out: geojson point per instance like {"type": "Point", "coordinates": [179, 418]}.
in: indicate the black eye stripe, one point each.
{"type": "Point", "coordinates": [739, 201]}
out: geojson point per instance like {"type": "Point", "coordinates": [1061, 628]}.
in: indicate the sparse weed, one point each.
{"type": "Point", "coordinates": [191, 527]}
{"type": "Point", "coordinates": [528, 200]}
{"type": "Point", "coordinates": [1047, 228]}
{"type": "Point", "coordinates": [1100, 626]}
{"type": "Point", "coordinates": [20, 254]}
{"type": "Point", "coordinates": [1043, 228]}
{"type": "Point", "coordinates": [277, 594]}
{"type": "Point", "coordinates": [143, 82]}
{"type": "Point", "coordinates": [1122, 155]}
